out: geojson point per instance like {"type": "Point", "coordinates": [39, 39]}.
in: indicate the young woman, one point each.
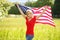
{"type": "Point", "coordinates": [30, 22]}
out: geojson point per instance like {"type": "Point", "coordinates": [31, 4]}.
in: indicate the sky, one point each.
{"type": "Point", "coordinates": [21, 1]}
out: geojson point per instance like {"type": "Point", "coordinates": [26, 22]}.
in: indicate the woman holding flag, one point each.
{"type": "Point", "coordinates": [30, 21]}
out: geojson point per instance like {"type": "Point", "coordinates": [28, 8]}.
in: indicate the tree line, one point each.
{"type": "Point", "coordinates": [7, 8]}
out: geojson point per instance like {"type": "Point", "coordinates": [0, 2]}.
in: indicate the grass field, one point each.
{"type": "Point", "coordinates": [14, 29]}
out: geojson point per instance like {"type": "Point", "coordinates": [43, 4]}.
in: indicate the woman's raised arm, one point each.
{"type": "Point", "coordinates": [42, 12]}
{"type": "Point", "coordinates": [21, 11]}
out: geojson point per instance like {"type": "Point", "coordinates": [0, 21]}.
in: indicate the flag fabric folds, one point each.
{"type": "Point", "coordinates": [46, 18]}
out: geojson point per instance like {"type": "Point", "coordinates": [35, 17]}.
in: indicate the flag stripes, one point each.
{"type": "Point", "coordinates": [46, 18]}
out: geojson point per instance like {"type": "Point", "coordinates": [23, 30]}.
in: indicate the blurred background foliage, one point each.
{"type": "Point", "coordinates": [39, 3]}
{"type": "Point", "coordinates": [7, 7]}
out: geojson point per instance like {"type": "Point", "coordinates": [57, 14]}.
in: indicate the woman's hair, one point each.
{"type": "Point", "coordinates": [29, 11]}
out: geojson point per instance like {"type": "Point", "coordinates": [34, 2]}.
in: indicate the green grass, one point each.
{"type": "Point", "coordinates": [15, 28]}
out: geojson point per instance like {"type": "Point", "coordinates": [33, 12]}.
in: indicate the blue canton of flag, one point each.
{"type": "Point", "coordinates": [24, 8]}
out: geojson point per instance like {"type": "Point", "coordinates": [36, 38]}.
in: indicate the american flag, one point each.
{"type": "Point", "coordinates": [46, 18]}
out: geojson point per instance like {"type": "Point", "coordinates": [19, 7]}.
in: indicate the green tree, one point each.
{"type": "Point", "coordinates": [29, 4]}
{"type": "Point", "coordinates": [4, 7]}
{"type": "Point", "coordinates": [39, 3]}
{"type": "Point", "coordinates": [13, 10]}
{"type": "Point", "coordinates": [56, 8]}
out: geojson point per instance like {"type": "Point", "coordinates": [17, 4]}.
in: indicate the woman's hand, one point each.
{"type": "Point", "coordinates": [42, 12]}
{"type": "Point", "coordinates": [17, 5]}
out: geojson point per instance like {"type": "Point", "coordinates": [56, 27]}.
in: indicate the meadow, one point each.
{"type": "Point", "coordinates": [12, 28]}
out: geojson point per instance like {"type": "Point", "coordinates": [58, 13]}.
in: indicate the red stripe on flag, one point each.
{"type": "Point", "coordinates": [47, 23]}
{"type": "Point", "coordinates": [45, 20]}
